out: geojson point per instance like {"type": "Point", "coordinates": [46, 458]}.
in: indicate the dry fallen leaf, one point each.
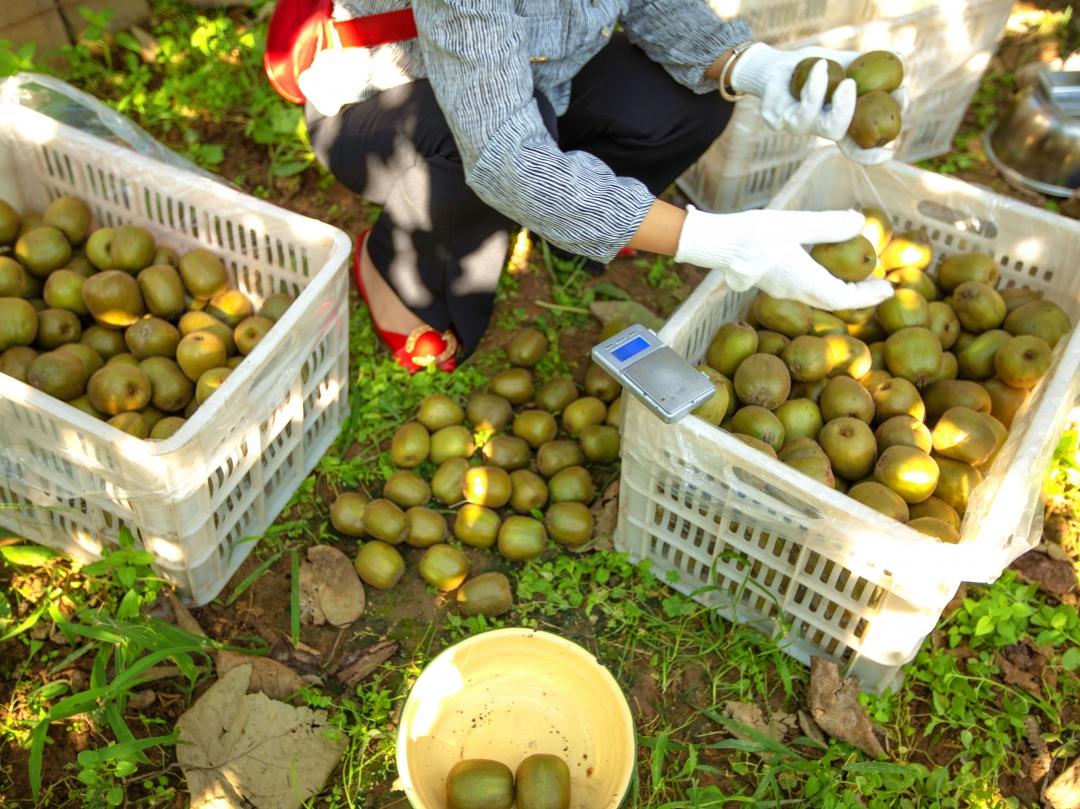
{"type": "Point", "coordinates": [776, 728]}
{"type": "Point", "coordinates": [247, 750]}
{"type": "Point", "coordinates": [330, 590]}
{"type": "Point", "coordinates": [1064, 793]}
{"type": "Point", "coordinates": [834, 704]}
{"type": "Point", "coordinates": [274, 679]}
{"type": "Point", "coordinates": [1039, 761]}
{"type": "Point", "coordinates": [1053, 576]}
{"type": "Point", "coordinates": [810, 728]}
{"type": "Point", "coordinates": [359, 665]}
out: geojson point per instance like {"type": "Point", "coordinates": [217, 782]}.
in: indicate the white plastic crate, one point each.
{"type": "Point", "coordinates": [945, 49]}
{"type": "Point", "coordinates": [225, 475]}
{"type": "Point", "coordinates": [769, 546]}
{"type": "Point", "coordinates": [778, 21]}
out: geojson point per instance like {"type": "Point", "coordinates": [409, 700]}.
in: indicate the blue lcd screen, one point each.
{"type": "Point", "coordinates": [627, 350]}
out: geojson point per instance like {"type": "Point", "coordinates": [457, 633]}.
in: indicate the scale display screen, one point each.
{"type": "Point", "coordinates": [630, 348]}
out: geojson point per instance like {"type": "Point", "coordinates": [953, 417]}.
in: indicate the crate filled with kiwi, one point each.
{"type": "Point", "coordinates": [118, 326]}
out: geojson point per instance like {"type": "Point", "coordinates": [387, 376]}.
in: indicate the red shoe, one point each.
{"type": "Point", "coordinates": [626, 252]}
{"type": "Point", "coordinates": [423, 346]}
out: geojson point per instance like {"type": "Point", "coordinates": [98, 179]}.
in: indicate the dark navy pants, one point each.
{"type": "Point", "coordinates": [440, 247]}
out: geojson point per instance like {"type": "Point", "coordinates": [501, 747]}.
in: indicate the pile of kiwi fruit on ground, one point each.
{"type": "Point", "coordinates": [116, 325]}
{"type": "Point", "coordinates": [514, 466]}
{"type": "Point", "coordinates": [903, 406]}
{"type": "Point", "coordinates": [541, 781]}
{"type": "Point", "coordinates": [878, 118]}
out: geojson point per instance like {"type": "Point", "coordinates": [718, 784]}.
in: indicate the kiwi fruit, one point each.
{"type": "Point", "coordinates": [487, 411]}
{"type": "Point", "coordinates": [347, 513]}
{"type": "Point", "coordinates": [876, 71]}
{"type": "Point", "coordinates": [807, 358]}
{"type": "Point", "coordinates": [62, 376]}
{"type": "Point", "coordinates": [959, 269]}
{"type": "Point", "coordinates": [1039, 319]}
{"type": "Point", "coordinates": [760, 423]}
{"type": "Point", "coordinates": [379, 565]}
{"type": "Point", "coordinates": [426, 527]}
{"type": "Point", "coordinates": [438, 411]}
{"type": "Point", "coordinates": [202, 273]}
{"type": "Point", "coordinates": [1020, 363]}
{"type": "Point", "coordinates": [762, 380]}
{"type": "Point", "coordinates": [209, 382]}
{"type": "Point", "coordinates": [978, 306]}
{"type": "Point", "coordinates": [410, 445]}
{"type": "Point", "coordinates": [850, 260]}
{"type": "Point", "coordinates": [601, 384]}
{"type": "Point", "coordinates": [880, 498]}
{"type": "Point", "coordinates": [18, 323]}
{"type": "Point", "coordinates": [250, 332]}
{"type": "Point", "coordinates": [113, 298]}
{"type": "Point", "coordinates": [192, 322]}
{"type": "Point", "coordinates": [834, 69]}
{"type": "Point", "coordinates": [57, 327]}
{"type": "Point", "coordinates": [406, 489]}
{"type": "Point", "coordinates": [876, 121]}
{"type": "Point", "coordinates": [936, 508]}
{"type": "Point", "coordinates": [385, 521]}
{"type": "Point", "coordinates": [275, 306]}
{"type": "Point", "coordinates": [71, 216]}
{"type": "Point", "coordinates": [454, 441]}
{"type": "Point", "coordinates": [10, 222]}
{"type": "Point", "coordinates": [487, 486]}
{"type": "Point", "coordinates": [166, 428]}
{"type": "Point", "coordinates": [903, 430]}
{"type": "Point", "coordinates": [231, 307]}
{"type": "Point", "coordinates": [936, 528]}
{"type": "Point", "coordinates": [514, 384]}
{"type": "Point", "coordinates": [119, 388]}
{"type": "Point", "coordinates": [535, 427]}
{"type": "Point", "coordinates": [131, 248]}
{"type": "Point", "coordinates": [542, 781]}
{"type": "Point", "coordinates": [732, 343]}
{"type": "Point", "coordinates": [521, 538]}
{"type": "Point", "coordinates": [477, 525]}
{"type": "Point", "coordinates": [527, 348]}
{"type": "Point", "coordinates": [600, 443]}
{"type": "Point", "coordinates": [801, 419]}
{"type": "Point", "coordinates": [63, 290]}
{"type": "Point", "coordinates": [171, 390]}
{"type": "Point", "coordinates": [845, 397]}
{"type": "Point", "coordinates": [108, 343]}
{"type": "Point", "coordinates": [506, 452]}
{"type": "Point", "coordinates": [447, 482]}
{"type": "Point", "coordinates": [15, 362]}
{"type": "Point", "coordinates": [572, 484]}
{"type": "Point", "coordinates": [152, 337]}
{"type": "Point", "coordinates": [444, 567]}
{"type": "Point", "coordinates": [569, 523]}
{"type": "Point", "coordinates": [43, 250]}
{"type": "Point", "coordinates": [850, 445]}
{"type": "Point", "coordinates": [908, 471]}
{"type": "Point", "coordinates": [479, 784]}
{"type": "Point", "coordinates": [555, 394]}
{"type": "Point", "coordinates": [529, 492]}
{"type": "Point", "coordinates": [488, 594]}
{"type": "Point", "coordinates": [582, 412]}
{"type": "Point", "coordinates": [131, 423]}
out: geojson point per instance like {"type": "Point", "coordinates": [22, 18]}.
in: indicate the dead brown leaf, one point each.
{"type": "Point", "coordinates": [1023, 665]}
{"type": "Point", "coordinates": [1053, 576]}
{"type": "Point", "coordinates": [1064, 793]}
{"type": "Point", "coordinates": [141, 700]}
{"type": "Point", "coordinates": [240, 749]}
{"type": "Point", "coordinates": [835, 707]}
{"type": "Point", "coordinates": [1039, 762]}
{"type": "Point", "coordinates": [360, 664]}
{"type": "Point", "coordinates": [269, 676]}
{"type": "Point", "coordinates": [810, 728]}
{"type": "Point", "coordinates": [605, 513]}
{"type": "Point", "coordinates": [751, 715]}
{"type": "Point", "coordinates": [302, 659]}
{"type": "Point", "coordinates": [274, 679]}
{"type": "Point", "coordinates": [330, 590]}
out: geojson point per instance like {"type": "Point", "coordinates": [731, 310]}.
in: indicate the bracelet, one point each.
{"type": "Point", "coordinates": [725, 72]}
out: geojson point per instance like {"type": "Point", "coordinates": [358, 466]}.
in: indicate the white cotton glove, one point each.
{"type": "Point", "coordinates": [765, 72]}
{"type": "Point", "coordinates": [764, 249]}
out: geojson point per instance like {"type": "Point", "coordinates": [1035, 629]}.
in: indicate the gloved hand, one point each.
{"type": "Point", "coordinates": [765, 72]}
{"type": "Point", "coordinates": [764, 249]}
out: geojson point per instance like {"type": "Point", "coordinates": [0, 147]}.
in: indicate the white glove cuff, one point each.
{"type": "Point", "coordinates": [704, 244]}
{"type": "Point", "coordinates": [751, 72]}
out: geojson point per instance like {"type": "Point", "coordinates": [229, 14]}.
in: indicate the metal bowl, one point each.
{"type": "Point", "coordinates": [1037, 143]}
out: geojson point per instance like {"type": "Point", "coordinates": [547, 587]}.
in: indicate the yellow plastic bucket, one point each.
{"type": "Point", "coordinates": [506, 695]}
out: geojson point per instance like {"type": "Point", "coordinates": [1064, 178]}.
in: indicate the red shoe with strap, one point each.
{"type": "Point", "coordinates": [421, 347]}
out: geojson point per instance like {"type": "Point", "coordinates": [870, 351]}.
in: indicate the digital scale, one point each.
{"type": "Point", "coordinates": [664, 382]}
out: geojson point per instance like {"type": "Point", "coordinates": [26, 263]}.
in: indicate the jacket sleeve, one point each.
{"type": "Point", "coordinates": [474, 53]}
{"type": "Point", "coordinates": [684, 36]}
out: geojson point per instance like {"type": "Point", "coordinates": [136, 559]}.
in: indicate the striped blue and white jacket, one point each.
{"type": "Point", "coordinates": [485, 58]}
